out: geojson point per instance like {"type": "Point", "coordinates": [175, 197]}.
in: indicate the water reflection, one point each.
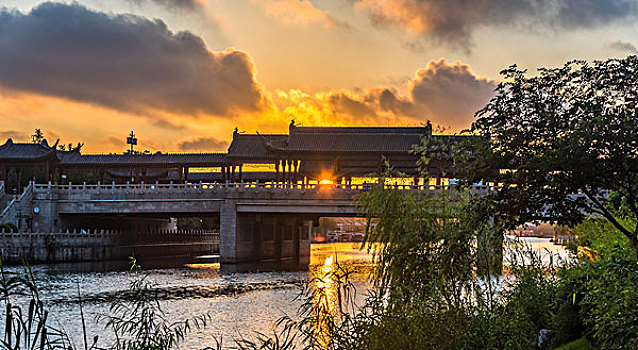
{"type": "Point", "coordinates": [325, 299]}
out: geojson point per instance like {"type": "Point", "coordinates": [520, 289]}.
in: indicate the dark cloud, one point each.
{"type": "Point", "coordinates": [454, 21]}
{"type": "Point", "coordinates": [344, 104]}
{"type": "Point", "coordinates": [448, 93]}
{"type": "Point", "coordinates": [175, 4]}
{"type": "Point", "coordinates": [203, 144]}
{"type": "Point", "coordinates": [125, 62]}
{"type": "Point", "coordinates": [622, 46]}
{"type": "Point", "coordinates": [167, 124]}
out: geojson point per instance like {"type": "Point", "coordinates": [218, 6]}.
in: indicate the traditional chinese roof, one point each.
{"type": "Point", "coordinates": [253, 145]}
{"type": "Point", "coordinates": [378, 140]}
{"type": "Point", "coordinates": [27, 152]}
{"type": "Point", "coordinates": [419, 130]}
{"type": "Point", "coordinates": [145, 160]}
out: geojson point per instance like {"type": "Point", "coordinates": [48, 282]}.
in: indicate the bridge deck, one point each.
{"type": "Point", "coordinates": [189, 198]}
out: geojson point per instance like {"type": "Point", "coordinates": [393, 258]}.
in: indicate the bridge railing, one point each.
{"type": "Point", "coordinates": [201, 187]}
{"type": "Point", "coordinates": [107, 235]}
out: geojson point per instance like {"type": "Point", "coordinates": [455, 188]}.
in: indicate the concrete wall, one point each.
{"type": "Point", "coordinates": [101, 245]}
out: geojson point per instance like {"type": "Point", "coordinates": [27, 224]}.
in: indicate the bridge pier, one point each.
{"type": "Point", "coordinates": [260, 240]}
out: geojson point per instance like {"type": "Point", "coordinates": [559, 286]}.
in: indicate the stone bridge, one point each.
{"type": "Point", "coordinates": [258, 222]}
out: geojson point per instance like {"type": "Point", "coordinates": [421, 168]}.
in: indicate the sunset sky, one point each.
{"type": "Point", "coordinates": [184, 73]}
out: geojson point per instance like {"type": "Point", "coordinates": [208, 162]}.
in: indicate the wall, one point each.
{"type": "Point", "coordinates": [103, 245]}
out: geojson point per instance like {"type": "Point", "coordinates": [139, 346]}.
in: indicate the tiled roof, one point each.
{"type": "Point", "coordinates": [359, 130]}
{"type": "Point", "coordinates": [252, 145]}
{"type": "Point", "coordinates": [352, 142]}
{"type": "Point", "coordinates": [26, 151]}
{"type": "Point", "coordinates": [156, 159]}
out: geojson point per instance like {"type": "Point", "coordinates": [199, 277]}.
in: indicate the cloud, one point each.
{"type": "Point", "coordinates": [299, 12]}
{"type": "Point", "coordinates": [190, 5]}
{"type": "Point", "coordinates": [164, 123]}
{"type": "Point", "coordinates": [203, 144]}
{"type": "Point", "coordinates": [125, 62]}
{"type": "Point", "coordinates": [12, 134]}
{"type": "Point", "coordinates": [446, 93]}
{"type": "Point", "coordinates": [449, 93]}
{"type": "Point", "coordinates": [114, 141]}
{"type": "Point", "coordinates": [622, 46]}
{"type": "Point", "coordinates": [454, 21]}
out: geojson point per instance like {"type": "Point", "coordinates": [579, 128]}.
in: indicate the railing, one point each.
{"type": "Point", "coordinates": [200, 187]}
{"type": "Point", "coordinates": [17, 204]}
{"type": "Point", "coordinates": [153, 236]}
{"type": "Point", "coordinates": [103, 245]}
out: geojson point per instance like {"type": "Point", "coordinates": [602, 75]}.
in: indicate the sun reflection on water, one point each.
{"type": "Point", "coordinates": [326, 289]}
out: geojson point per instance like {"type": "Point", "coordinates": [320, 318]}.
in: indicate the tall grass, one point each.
{"type": "Point", "coordinates": [27, 327]}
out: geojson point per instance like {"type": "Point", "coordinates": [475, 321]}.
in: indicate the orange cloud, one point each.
{"type": "Point", "coordinates": [298, 12]}
{"type": "Point", "coordinates": [448, 94]}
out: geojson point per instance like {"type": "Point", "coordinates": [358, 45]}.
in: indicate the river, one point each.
{"type": "Point", "coordinates": [237, 303]}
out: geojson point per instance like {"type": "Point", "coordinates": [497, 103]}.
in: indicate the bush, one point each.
{"type": "Point", "coordinates": [601, 236]}
{"type": "Point", "coordinates": [9, 227]}
{"type": "Point", "coordinates": [610, 304]}
{"type": "Point", "coordinates": [568, 323]}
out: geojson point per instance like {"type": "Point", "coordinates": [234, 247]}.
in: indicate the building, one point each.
{"type": "Point", "coordinates": [305, 154]}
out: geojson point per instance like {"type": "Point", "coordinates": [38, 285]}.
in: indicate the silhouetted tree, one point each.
{"type": "Point", "coordinates": [37, 136]}
{"type": "Point", "coordinates": [559, 140]}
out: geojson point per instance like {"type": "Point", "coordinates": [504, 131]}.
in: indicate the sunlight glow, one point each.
{"type": "Point", "coordinates": [329, 261]}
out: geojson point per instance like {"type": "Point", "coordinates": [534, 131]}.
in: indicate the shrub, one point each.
{"type": "Point", "coordinates": [8, 227]}
{"type": "Point", "coordinates": [610, 304]}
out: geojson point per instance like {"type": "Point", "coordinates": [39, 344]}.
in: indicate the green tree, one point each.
{"type": "Point", "coordinates": [559, 141]}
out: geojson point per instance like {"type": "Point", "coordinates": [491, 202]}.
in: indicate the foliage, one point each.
{"type": "Point", "coordinates": [608, 305]}
{"type": "Point", "coordinates": [434, 246]}
{"type": "Point", "coordinates": [579, 344]}
{"type": "Point", "coordinates": [30, 329]}
{"type": "Point", "coordinates": [601, 236]}
{"type": "Point", "coordinates": [37, 136]}
{"type": "Point", "coordinates": [525, 305]}
{"type": "Point", "coordinates": [9, 227]}
{"type": "Point", "coordinates": [568, 323]}
{"type": "Point", "coordinates": [565, 136]}
{"type": "Point", "coordinates": [597, 298]}
{"type": "Point", "coordinates": [139, 323]}
{"type": "Point", "coordinates": [327, 224]}
{"type": "Point", "coordinates": [196, 223]}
